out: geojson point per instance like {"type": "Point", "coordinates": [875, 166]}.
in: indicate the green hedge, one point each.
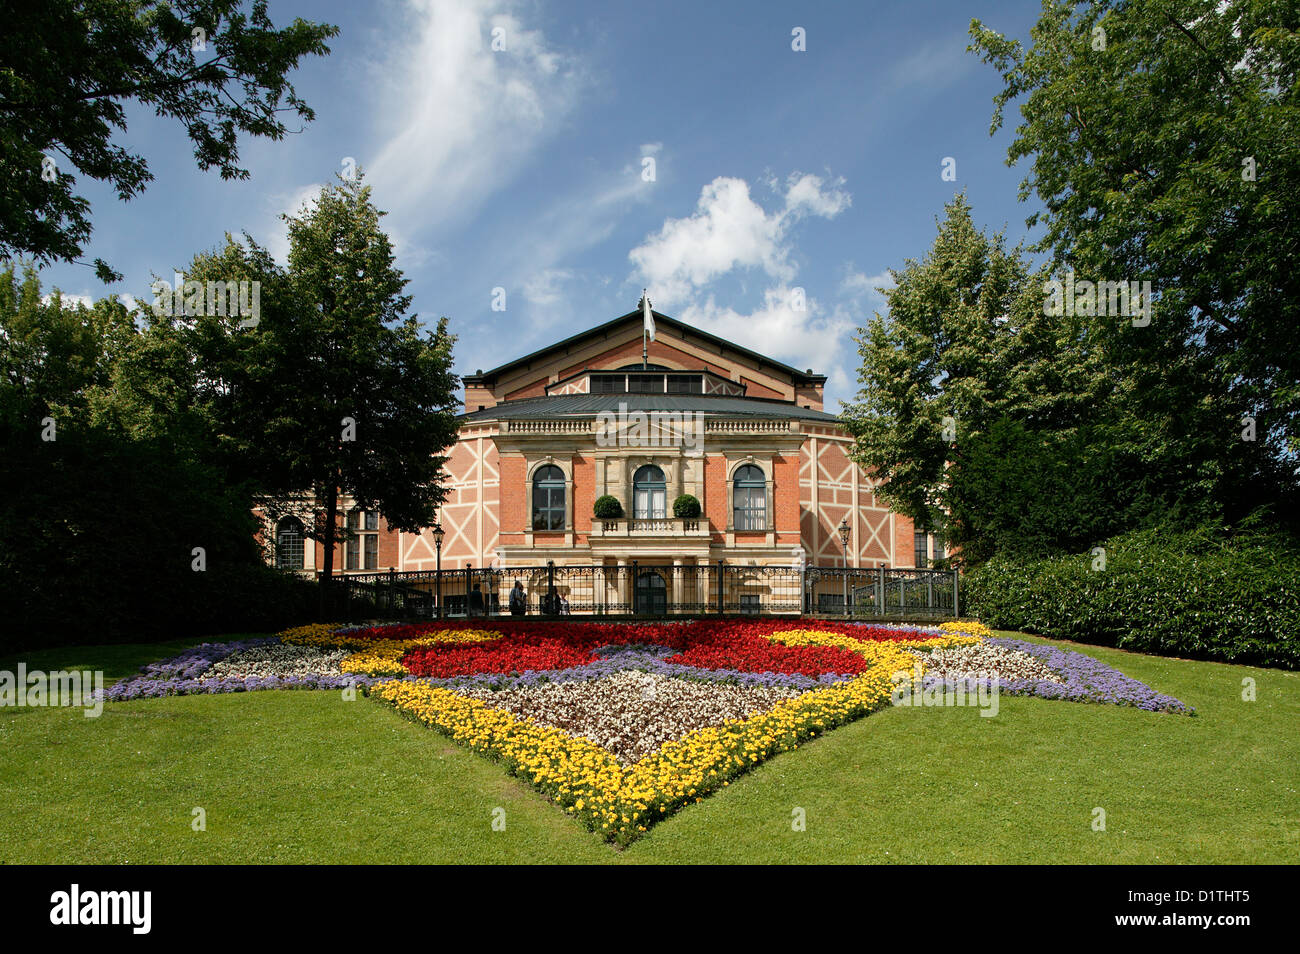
{"type": "Point", "coordinates": [97, 533]}
{"type": "Point", "coordinates": [1203, 595]}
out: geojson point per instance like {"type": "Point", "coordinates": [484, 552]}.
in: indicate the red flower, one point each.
{"type": "Point", "coordinates": [707, 643]}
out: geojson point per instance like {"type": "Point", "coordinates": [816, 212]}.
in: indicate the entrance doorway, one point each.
{"type": "Point", "coordinates": [651, 593]}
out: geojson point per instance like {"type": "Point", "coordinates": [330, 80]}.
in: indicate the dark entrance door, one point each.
{"type": "Point", "coordinates": [651, 593]}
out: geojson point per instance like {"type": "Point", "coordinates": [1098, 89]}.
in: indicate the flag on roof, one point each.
{"type": "Point", "coordinates": [647, 316]}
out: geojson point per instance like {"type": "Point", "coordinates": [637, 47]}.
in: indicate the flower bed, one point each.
{"type": "Point", "coordinates": [622, 801]}
{"type": "Point", "coordinates": [633, 713]}
{"type": "Point", "coordinates": [1084, 679]}
{"type": "Point", "coordinates": [623, 724]}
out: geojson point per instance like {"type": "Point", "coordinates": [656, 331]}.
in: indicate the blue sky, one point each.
{"type": "Point", "coordinates": [774, 170]}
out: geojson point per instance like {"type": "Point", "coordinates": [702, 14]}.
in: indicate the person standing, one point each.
{"type": "Point", "coordinates": [518, 600]}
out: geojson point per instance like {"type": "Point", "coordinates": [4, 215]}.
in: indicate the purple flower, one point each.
{"type": "Point", "coordinates": [1086, 680]}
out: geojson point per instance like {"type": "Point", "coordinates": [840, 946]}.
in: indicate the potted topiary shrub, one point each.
{"type": "Point", "coordinates": [607, 507]}
{"type": "Point", "coordinates": [686, 507]}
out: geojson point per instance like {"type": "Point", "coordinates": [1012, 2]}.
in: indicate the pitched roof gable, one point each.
{"type": "Point", "coordinates": [663, 322]}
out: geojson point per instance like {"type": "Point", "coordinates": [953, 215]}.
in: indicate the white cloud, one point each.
{"type": "Point", "coordinates": [276, 233]}
{"type": "Point", "coordinates": [936, 65]}
{"type": "Point", "coordinates": [461, 119]}
{"type": "Point", "coordinates": [534, 257]}
{"type": "Point", "coordinates": [538, 249]}
{"type": "Point", "coordinates": [88, 300]}
{"type": "Point", "coordinates": [730, 230]}
{"type": "Point", "coordinates": [811, 194]}
{"type": "Point", "coordinates": [859, 285]}
{"type": "Point", "coordinates": [454, 119]}
{"type": "Point", "coordinates": [69, 299]}
{"type": "Point", "coordinates": [811, 337]}
{"type": "Point", "coordinates": [544, 288]}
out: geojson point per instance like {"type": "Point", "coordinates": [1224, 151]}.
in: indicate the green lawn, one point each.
{"type": "Point", "coordinates": [294, 776]}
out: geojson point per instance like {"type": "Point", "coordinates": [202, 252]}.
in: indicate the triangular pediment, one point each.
{"type": "Point", "coordinates": [618, 344]}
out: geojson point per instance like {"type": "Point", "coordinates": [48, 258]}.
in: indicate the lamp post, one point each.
{"type": "Point", "coordinates": [437, 543]}
{"type": "Point", "coordinates": [844, 532]}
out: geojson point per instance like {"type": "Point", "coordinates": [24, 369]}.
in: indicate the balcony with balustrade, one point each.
{"type": "Point", "coordinates": [656, 528]}
{"type": "Point", "coordinates": [653, 536]}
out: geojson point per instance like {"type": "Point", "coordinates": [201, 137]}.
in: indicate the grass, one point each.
{"type": "Point", "coordinates": [295, 776]}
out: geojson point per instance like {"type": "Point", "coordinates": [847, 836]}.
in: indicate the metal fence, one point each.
{"type": "Point", "coordinates": [651, 590]}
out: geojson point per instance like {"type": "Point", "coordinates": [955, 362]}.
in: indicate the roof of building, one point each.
{"type": "Point", "coordinates": [680, 327]}
{"type": "Point", "coordinates": [589, 405]}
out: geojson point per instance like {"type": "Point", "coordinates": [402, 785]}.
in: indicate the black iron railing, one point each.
{"type": "Point", "coordinates": [646, 589]}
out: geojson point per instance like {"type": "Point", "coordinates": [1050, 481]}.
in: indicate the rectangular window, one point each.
{"type": "Point", "coordinates": [751, 508]}
{"type": "Point", "coordinates": [548, 508]}
{"type": "Point", "coordinates": [920, 539]}
{"type": "Point", "coordinates": [750, 603]}
{"type": "Point", "coordinates": [361, 550]}
{"type": "Point", "coordinates": [645, 384]}
{"type": "Point", "coordinates": [685, 384]}
{"type": "Point", "coordinates": [650, 503]}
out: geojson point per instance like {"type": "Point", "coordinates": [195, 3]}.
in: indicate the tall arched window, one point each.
{"type": "Point", "coordinates": [749, 499]}
{"type": "Point", "coordinates": [649, 494]}
{"type": "Point", "coordinates": [288, 544]}
{"type": "Point", "coordinates": [548, 498]}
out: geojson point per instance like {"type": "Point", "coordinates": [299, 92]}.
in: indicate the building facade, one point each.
{"type": "Point", "coordinates": [606, 413]}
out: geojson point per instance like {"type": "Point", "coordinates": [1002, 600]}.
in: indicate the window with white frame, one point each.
{"type": "Point", "coordinates": [749, 498]}
{"type": "Point", "coordinates": [928, 544]}
{"type": "Point", "coordinates": [361, 551]}
{"type": "Point", "coordinates": [288, 544]}
{"type": "Point", "coordinates": [649, 493]}
{"type": "Point", "coordinates": [548, 498]}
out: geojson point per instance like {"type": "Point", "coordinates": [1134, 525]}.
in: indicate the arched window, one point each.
{"type": "Point", "coordinates": [548, 498]}
{"type": "Point", "coordinates": [288, 544]}
{"type": "Point", "coordinates": [649, 494]}
{"type": "Point", "coordinates": [749, 499]}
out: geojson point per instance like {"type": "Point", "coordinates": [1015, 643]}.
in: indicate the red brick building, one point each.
{"type": "Point", "coordinates": [545, 435]}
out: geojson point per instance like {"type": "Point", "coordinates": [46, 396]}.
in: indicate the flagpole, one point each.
{"type": "Point", "coordinates": [645, 348]}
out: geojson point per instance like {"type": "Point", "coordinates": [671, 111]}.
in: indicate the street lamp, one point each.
{"type": "Point", "coordinates": [437, 542]}
{"type": "Point", "coordinates": [844, 541]}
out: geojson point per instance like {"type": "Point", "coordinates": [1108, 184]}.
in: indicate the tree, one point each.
{"type": "Point", "coordinates": [1165, 145]}
{"type": "Point", "coordinates": [964, 345]}
{"type": "Point", "coordinates": [1020, 430]}
{"type": "Point", "coordinates": [66, 70]}
{"type": "Point", "coordinates": [99, 522]}
{"type": "Point", "coordinates": [336, 390]}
